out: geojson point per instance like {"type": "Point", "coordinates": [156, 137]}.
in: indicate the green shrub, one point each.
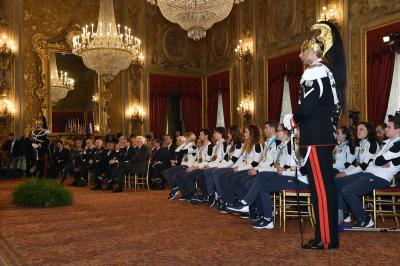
{"type": "Point", "coordinates": [41, 193]}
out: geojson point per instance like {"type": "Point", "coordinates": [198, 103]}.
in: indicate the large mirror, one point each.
{"type": "Point", "coordinates": [73, 95]}
{"type": "Point", "coordinates": [72, 103]}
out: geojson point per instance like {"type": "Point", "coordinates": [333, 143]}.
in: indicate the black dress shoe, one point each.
{"type": "Point", "coordinates": [312, 244]}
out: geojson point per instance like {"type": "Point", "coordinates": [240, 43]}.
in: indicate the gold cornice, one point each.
{"type": "Point", "coordinates": [174, 74]}
{"type": "Point", "coordinates": [283, 52]}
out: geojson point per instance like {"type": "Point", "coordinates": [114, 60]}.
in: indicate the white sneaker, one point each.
{"type": "Point", "coordinates": [264, 223]}
{"type": "Point", "coordinates": [347, 219]}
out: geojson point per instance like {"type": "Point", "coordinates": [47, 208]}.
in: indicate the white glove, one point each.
{"type": "Point", "coordinates": [287, 121]}
{"type": "Point", "coordinates": [35, 146]}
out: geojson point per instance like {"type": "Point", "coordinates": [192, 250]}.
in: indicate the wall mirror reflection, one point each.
{"type": "Point", "coordinates": [74, 96]}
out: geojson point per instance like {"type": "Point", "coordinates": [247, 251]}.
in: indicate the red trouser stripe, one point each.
{"type": "Point", "coordinates": [321, 193]}
{"type": "Point", "coordinates": [325, 202]}
{"type": "Point", "coordinates": [319, 196]}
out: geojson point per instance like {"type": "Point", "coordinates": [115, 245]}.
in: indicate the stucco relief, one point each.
{"type": "Point", "coordinates": [219, 41]}
{"type": "Point", "coordinates": [286, 26]}
{"type": "Point", "coordinates": [169, 48]}
{"type": "Point", "coordinates": [222, 40]}
{"type": "Point", "coordinates": [175, 44]}
{"type": "Point", "coordinates": [283, 18]}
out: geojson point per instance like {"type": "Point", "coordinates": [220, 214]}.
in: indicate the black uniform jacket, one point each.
{"type": "Point", "coordinates": [316, 107]}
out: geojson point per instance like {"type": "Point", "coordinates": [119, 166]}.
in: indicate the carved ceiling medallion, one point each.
{"type": "Point", "coordinates": [219, 42]}
{"type": "Point", "coordinates": [175, 44]}
{"type": "Point", "coordinates": [284, 18]}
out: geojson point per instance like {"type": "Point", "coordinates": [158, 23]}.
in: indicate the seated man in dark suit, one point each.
{"type": "Point", "coordinates": [158, 155]}
{"type": "Point", "coordinates": [73, 167]}
{"type": "Point", "coordinates": [162, 161]}
{"type": "Point", "coordinates": [104, 165]}
{"type": "Point", "coordinates": [9, 147]}
{"type": "Point", "coordinates": [60, 157]}
{"type": "Point", "coordinates": [135, 163]}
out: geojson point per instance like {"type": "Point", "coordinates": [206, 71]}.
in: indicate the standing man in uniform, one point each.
{"type": "Point", "coordinates": [319, 109]}
{"type": "Point", "coordinates": [40, 145]}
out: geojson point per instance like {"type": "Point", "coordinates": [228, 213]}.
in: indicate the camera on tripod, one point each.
{"type": "Point", "coordinates": [396, 114]}
{"type": "Point", "coordinates": [393, 40]}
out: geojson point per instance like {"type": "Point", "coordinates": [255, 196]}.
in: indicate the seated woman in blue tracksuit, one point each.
{"type": "Point", "coordinates": [214, 178]}
{"type": "Point", "coordinates": [187, 152]}
{"type": "Point", "coordinates": [366, 148]}
{"type": "Point", "coordinates": [343, 154]}
{"type": "Point", "coordinates": [267, 182]}
{"type": "Point", "coordinates": [378, 175]}
{"type": "Point", "coordinates": [250, 158]}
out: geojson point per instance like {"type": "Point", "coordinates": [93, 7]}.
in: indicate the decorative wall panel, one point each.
{"type": "Point", "coordinates": [364, 15]}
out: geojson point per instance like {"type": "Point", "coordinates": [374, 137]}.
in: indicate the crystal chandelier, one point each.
{"type": "Point", "coordinates": [61, 84]}
{"type": "Point", "coordinates": [195, 16]}
{"type": "Point", "coordinates": [108, 49]}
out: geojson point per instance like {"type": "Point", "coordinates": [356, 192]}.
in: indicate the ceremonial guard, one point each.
{"type": "Point", "coordinates": [40, 145]}
{"type": "Point", "coordinates": [319, 109]}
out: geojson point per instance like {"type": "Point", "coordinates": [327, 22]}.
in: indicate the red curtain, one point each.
{"type": "Point", "coordinates": [380, 64]}
{"type": "Point", "coordinates": [294, 73]}
{"type": "Point", "coordinates": [163, 86]}
{"type": "Point", "coordinates": [215, 84]}
{"type": "Point", "coordinates": [157, 114]}
{"type": "Point", "coordinates": [191, 111]}
{"type": "Point", "coordinates": [288, 65]}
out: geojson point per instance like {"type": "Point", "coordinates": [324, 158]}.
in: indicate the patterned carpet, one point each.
{"type": "Point", "coordinates": [143, 228]}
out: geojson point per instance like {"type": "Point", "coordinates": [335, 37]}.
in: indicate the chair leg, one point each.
{"type": "Point", "coordinates": [374, 206]}
{"type": "Point", "coordinates": [310, 212]}
{"type": "Point", "coordinates": [280, 209]}
{"type": "Point", "coordinates": [89, 177]}
{"type": "Point", "coordinates": [380, 203]}
{"type": "Point", "coordinates": [136, 183]}
{"type": "Point", "coordinates": [394, 210]}
{"type": "Point", "coordinates": [274, 207]}
{"type": "Point", "coordinates": [284, 211]}
{"type": "Point", "coordinates": [363, 202]}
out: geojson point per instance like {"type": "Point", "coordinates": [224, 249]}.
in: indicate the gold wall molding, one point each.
{"type": "Point", "coordinates": [365, 15]}
{"type": "Point", "coordinates": [4, 21]}
{"type": "Point", "coordinates": [51, 18]}
{"type": "Point", "coordinates": [7, 85]}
